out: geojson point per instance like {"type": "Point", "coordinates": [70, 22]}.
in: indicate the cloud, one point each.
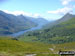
{"type": "Point", "coordinates": [66, 2]}
{"type": "Point", "coordinates": [17, 12]}
{"type": "Point", "coordinates": [36, 15]}
{"type": "Point", "coordinates": [68, 8]}
{"type": "Point", "coordinates": [61, 11]}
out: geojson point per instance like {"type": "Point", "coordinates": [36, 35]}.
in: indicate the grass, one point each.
{"type": "Point", "coordinates": [27, 38]}
{"type": "Point", "coordinates": [9, 47]}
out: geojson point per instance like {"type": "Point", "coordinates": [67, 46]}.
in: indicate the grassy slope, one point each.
{"type": "Point", "coordinates": [11, 47]}
{"type": "Point", "coordinates": [61, 33]}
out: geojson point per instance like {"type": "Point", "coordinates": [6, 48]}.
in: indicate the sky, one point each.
{"type": "Point", "coordinates": [49, 9]}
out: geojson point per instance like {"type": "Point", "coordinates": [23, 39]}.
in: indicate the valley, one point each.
{"type": "Point", "coordinates": [60, 32]}
{"type": "Point", "coordinates": [42, 39]}
{"type": "Point", "coordinates": [10, 24]}
{"type": "Point", "coordinates": [22, 32]}
{"type": "Point", "coordinates": [37, 27]}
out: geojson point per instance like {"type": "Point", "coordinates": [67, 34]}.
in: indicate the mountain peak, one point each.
{"type": "Point", "coordinates": [67, 16]}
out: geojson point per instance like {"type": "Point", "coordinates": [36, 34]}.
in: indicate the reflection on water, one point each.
{"type": "Point", "coordinates": [22, 32]}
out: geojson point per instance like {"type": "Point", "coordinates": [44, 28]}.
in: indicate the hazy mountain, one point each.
{"type": "Point", "coordinates": [63, 19]}
{"type": "Point", "coordinates": [63, 31]}
{"type": "Point", "coordinates": [10, 23]}
{"type": "Point", "coordinates": [40, 21]}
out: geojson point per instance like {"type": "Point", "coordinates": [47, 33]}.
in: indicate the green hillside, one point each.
{"type": "Point", "coordinates": [61, 33]}
{"type": "Point", "coordinates": [11, 47]}
{"type": "Point", "coordinates": [65, 18]}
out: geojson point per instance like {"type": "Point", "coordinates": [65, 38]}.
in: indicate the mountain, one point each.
{"type": "Point", "coordinates": [10, 23]}
{"type": "Point", "coordinates": [63, 31]}
{"type": "Point", "coordinates": [66, 17]}
{"type": "Point", "coordinates": [40, 21]}
{"type": "Point", "coordinates": [63, 19]}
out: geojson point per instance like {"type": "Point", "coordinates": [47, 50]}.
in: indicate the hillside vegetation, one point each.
{"type": "Point", "coordinates": [65, 18]}
{"type": "Point", "coordinates": [60, 33]}
{"type": "Point", "coordinates": [12, 47]}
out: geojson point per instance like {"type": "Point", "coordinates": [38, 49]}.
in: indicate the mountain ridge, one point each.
{"type": "Point", "coordinates": [58, 33]}
{"type": "Point", "coordinates": [10, 23]}
{"type": "Point", "coordinates": [64, 18]}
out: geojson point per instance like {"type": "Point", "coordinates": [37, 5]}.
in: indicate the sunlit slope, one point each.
{"type": "Point", "coordinates": [10, 46]}
{"type": "Point", "coordinates": [61, 33]}
{"type": "Point", "coordinates": [65, 18]}
{"type": "Point", "coordinates": [13, 45]}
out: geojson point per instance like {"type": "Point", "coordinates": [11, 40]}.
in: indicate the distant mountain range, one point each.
{"type": "Point", "coordinates": [59, 31]}
{"type": "Point", "coordinates": [63, 19]}
{"type": "Point", "coordinates": [10, 23]}
{"type": "Point", "coordinates": [39, 21]}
